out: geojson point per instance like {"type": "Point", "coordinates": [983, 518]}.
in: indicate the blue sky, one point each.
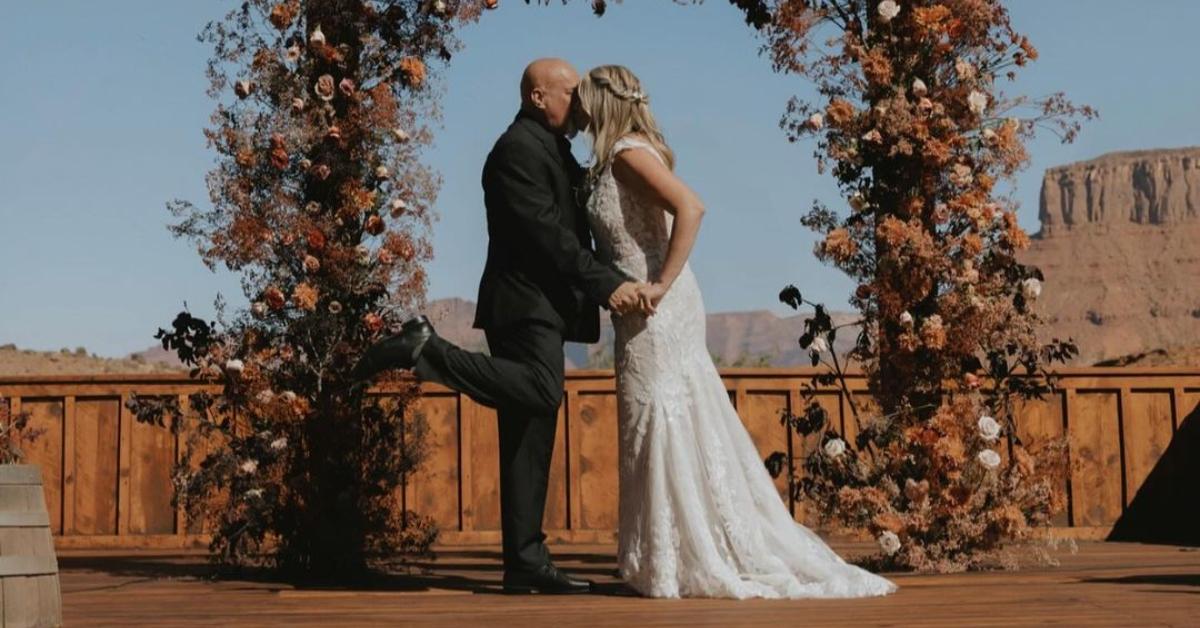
{"type": "Point", "coordinates": [102, 114]}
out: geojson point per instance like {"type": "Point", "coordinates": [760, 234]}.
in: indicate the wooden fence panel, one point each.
{"type": "Point", "coordinates": [108, 478]}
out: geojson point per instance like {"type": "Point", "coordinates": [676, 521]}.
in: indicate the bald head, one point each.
{"type": "Point", "coordinates": [547, 89]}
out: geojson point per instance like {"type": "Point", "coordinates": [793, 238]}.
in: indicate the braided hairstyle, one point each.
{"type": "Point", "coordinates": [612, 98]}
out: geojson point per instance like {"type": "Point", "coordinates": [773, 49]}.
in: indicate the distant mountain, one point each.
{"type": "Point", "coordinates": [758, 338]}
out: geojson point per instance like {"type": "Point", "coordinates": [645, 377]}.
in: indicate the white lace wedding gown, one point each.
{"type": "Point", "coordinates": [699, 514]}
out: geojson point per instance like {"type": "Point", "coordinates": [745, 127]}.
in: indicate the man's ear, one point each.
{"type": "Point", "coordinates": [538, 98]}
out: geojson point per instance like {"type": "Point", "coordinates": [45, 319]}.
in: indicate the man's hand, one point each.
{"type": "Point", "coordinates": [625, 298]}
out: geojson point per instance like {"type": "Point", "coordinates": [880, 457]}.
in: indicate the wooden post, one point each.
{"type": "Point", "coordinates": [69, 466]}
{"type": "Point", "coordinates": [124, 453]}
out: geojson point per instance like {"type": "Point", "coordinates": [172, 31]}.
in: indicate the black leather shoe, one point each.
{"type": "Point", "coordinates": [394, 352]}
{"type": "Point", "coordinates": [545, 579]}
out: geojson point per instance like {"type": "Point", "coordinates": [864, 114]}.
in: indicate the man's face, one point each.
{"type": "Point", "coordinates": [557, 97]}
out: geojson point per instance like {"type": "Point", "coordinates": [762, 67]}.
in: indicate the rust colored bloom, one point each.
{"type": "Point", "coordinates": [245, 158]}
{"type": "Point", "coordinates": [839, 112]}
{"type": "Point", "coordinates": [282, 14]}
{"type": "Point", "coordinates": [373, 322]}
{"type": "Point", "coordinates": [274, 298]}
{"type": "Point", "coordinates": [321, 171]}
{"type": "Point", "coordinates": [839, 246]}
{"type": "Point", "coordinates": [374, 225]}
{"type": "Point", "coordinates": [280, 158]}
{"type": "Point", "coordinates": [315, 239]}
{"type": "Point", "coordinates": [311, 264]}
{"type": "Point", "coordinates": [243, 88]}
{"type": "Point", "coordinates": [305, 297]}
{"type": "Point", "coordinates": [347, 87]}
{"type": "Point", "coordinates": [412, 70]}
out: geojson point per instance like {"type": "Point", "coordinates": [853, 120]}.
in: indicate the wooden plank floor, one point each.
{"type": "Point", "coordinates": [1103, 584]}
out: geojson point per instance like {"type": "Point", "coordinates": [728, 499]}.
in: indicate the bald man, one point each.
{"type": "Point", "coordinates": [541, 286]}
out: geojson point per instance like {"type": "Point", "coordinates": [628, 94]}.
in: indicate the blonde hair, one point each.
{"type": "Point", "coordinates": [612, 97]}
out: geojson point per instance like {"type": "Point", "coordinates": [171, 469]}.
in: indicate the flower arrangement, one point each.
{"type": "Point", "coordinates": [917, 131]}
{"type": "Point", "coordinates": [15, 433]}
{"type": "Point", "coordinates": [319, 131]}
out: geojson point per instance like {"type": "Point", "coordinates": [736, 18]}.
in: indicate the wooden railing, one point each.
{"type": "Point", "coordinates": [107, 477]}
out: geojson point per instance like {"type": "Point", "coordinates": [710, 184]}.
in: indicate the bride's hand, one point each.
{"type": "Point", "coordinates": [649, 295]}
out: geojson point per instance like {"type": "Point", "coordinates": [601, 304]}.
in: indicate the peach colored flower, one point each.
{"type": "Point", "coordinates": [324, 88]}
{"type": "Point", "coordinates": [839, 111]}
{"type": "Point", "coordinates": [282, 15]}
{"type": "Point", "coordinates": [311, 264]}
{"type": "Point", "coordinates": [413, 71]}
{"type": "Point", "coordinates": [374, 225]}
{"type": "Point", "coordinates": [305, 297]}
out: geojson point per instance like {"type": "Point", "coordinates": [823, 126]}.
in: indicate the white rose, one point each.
{"type": "Point", "coordinates": [977, 101]}
{"type": "Point", "coordinates": [989, 428]}
{"type": "Point", "coordinates": [906, 319]}
{"type": "Point", "coordinates": [888, 10]}
{"type": "Point", "coordinates": [989, 458]}
{"type": "Point", "coordinates": [1031, 288]}
{"type": "Point", "coordinates": [235, 366]}
{"type": "Point", "coordinates": [401, 134]}
{"type": "Point", "coordinates": [835, 447]}
{"type": "Point", "coordinates": [889, 542]}
{"type": "Point", "coordinates": [857, 201]}
{"type": "Point", "coordinates": [819, 344]}
{"type": "Point", "coordinates": [265, 396]}
{"type": "Point", "coordinates": [816, 121]}
{"type": "Point", "coordinates": [382, 172]}
{"type": "Point", "coordinates": [279, 443]}
{"type": "Point", "coordinates": [398, 207]}
{"type": "Point", "coordinates": [919, 88]}
{"type": "Point", "coordinates": [258, 309]}
{"type": "Point", "coordinates": [248, 467]}
{"type": "Point", "coordinates": [989, 136]}
{"type": "Point", "coordinates": [293, 52]}
{"type": "Point", "coordinates": [439, 7]}
{"type": "Point", "coordinates": [362, 254]}
{"type": "Point", "coordinates": [317, 37]}
{"type": "Point", "coordinates": [288, 396]}
{"type": "Point", "coordinates": [254, 493]}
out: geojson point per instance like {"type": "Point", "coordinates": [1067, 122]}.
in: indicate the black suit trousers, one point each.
{"type": "Point", "coordinates": [523, 380]}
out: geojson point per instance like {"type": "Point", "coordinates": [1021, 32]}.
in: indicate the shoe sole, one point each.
{"type": "Point", "coordinates": [516, 590]}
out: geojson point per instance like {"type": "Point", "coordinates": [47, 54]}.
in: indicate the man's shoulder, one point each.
{"type": "Point", "coordinates": [517, 143]}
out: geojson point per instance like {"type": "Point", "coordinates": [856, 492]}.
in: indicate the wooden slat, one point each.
{"type": "Point", "coordinates": [47, 452]}
{"type": "Point", "coordinates": [1096, 458]}
{"type": "Point", "coordinates": [434, 491]}
{"type": "Point", "coordinates": [70, 461]}
{"type": "Point", "coordinates": [27, 566]}
{"type": "Point", "coordinates": [24, 519]}
{"type": "Point", "coordinates": [760, 415]}
{"type": "Point", "coordinates": [597, 437]}
{"type": "Point", "coordinates": [124, 464]}
{"type": "Point", "coordinates": [95, 438]}
{"type": "Point", "coordinates": [1147, 431]}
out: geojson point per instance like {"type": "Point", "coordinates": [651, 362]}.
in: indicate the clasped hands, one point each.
{"type": "Point", "coordinates": [636, 296]}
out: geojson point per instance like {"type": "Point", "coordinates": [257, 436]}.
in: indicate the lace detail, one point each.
{"type": "Point", "coordinates": [699, 514]}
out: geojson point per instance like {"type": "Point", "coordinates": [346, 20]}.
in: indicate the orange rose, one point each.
{"type": "Point", "coordinates": [373, 322]}
{"type": "Point", "coordinates": [315, 239]}
{"type": "Point", "coordinates": [274, 298]}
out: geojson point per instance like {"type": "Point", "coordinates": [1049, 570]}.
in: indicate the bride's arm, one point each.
{"type": "Point", "coordinates": [643, 173]}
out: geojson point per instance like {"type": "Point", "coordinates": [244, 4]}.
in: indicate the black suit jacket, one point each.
{"type": "Point", "coordinates": [540, 263]}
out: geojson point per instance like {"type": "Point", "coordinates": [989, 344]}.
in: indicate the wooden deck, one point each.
{"type": "Point", "coordinates": [1103, 584]}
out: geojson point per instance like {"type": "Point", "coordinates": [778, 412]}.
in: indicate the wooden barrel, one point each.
{"type": "Point", "coordinates": [29, 594]}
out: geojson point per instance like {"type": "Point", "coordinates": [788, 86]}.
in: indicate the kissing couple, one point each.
{"type": "Point", "coordinates": [699, 514]}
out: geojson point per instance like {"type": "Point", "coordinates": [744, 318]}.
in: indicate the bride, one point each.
{"type": "Point", "coordinates": [699, 515]}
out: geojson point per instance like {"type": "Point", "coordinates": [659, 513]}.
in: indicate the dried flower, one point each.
{"type": "Point", "coordinates": [335, 307]}
{"type": "Point", "coordinates": [282, 15]}
{"type": "Point", "coordinates": [918, 88]}
{"type": "Point", "coordinates": [258, 309]}
{"type": "Point", "coordinates": [964, 70]}
{"type": "Point", "coordinates": [400, 134]}
{"type": "Point", "coordinates": [234, 366]}
{"type": "Point", "coordinates": [977, 101]}
{"type": "Point", "coordinates": [321, 171]}
{"type": "Point", "coordinates": [412, 70]}
{"type": "Point", "coordinates": [254, 493]}
{"type": "Point", "coordinates": [382, 172]}
{"type": "Point", "coordinates": [305, 297]}
{"type": "Point", "coordinates": [265, 395]}
{"type": "Point", "coordinates": [243, 88]}
{"type": "Point", "coordinates": [249, 467]}
{"type": "Point", "coordinates": [297, 105]}
{"type": "Point", "coordinates": [816, 121]}
{"type": "Point", "coordinates": [362, 255]}
{"type": "Point", "coordinates": [872, 136]}
{"type": "Point", "coordinates": [819, 344]}
{"type": "Point", "coordinates": [316, 38]}
{"type": "Point", "coordinates": [906, 319]}
{"type": "Point", "coordinates": [989, 428]}
{"type": "Point", "coordinates": [347, 87]}
{"type": "Point", "coordinates": [888, 10]}
{"type": "Point", "coordinates": [989, 458]}
{"type": "Point", "coordinates": [279, 444]}
{"type": "Point", "coordinates": [373, 322]}
{"type": "Point", "coordinates": [834, 447]}
{"type": "Point", "coordinates": [1031, 288]}
{"type": "Point", "coordinates": [398, 207]}
{"type": "Point", "coordinates": [274, 298]}
{"type": "Point", "coordinates": [374, 225]}
{"type": "Point", "coordinates": [293, 53]}
{"type": "Point", "coordinates": [288, 396]}
{"type": "Point", "coordinates": [889, 542]}
{"type": "Point", "coordinates": [311, 264]}
{"type": "Point", "coordinates": [324, 87]}
{"type": "Point", "coordinates": [858, 202]}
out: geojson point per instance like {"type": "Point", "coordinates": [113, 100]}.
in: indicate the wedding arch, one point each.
{"type": "Point", "coordinates": [321, 202]}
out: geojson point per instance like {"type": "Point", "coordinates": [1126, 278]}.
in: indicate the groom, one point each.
{"type": "Point", "coordinates": [540, 288]}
